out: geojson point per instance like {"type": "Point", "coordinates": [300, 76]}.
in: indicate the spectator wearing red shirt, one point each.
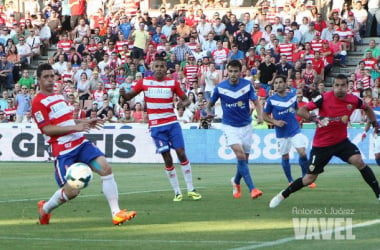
{"type": "Point", "coordinates": [327, 55]}
{"type": "Point", "coordinates": [320, 24]}
{"type": "Point", "coordinates": [78, 11]}
{"type": "Point", "coordinates": [318, 66]}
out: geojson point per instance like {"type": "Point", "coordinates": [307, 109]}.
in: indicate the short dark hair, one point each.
{"type": "Point", "coordinates": [281, 76]}
{"type": "Point", "coordinates": [235, 63]}
{"type": "Point", "coordinates": [42, 67]}
{"type": "Point", "coordinates": [342, 77]}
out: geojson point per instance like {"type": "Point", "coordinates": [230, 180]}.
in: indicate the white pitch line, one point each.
{"type": "Point", "coordinates": [289, 239]}
{"type": "Point", "coordinates": [128, 240]}
{"type": "Point", "coordinates": [88, 195]}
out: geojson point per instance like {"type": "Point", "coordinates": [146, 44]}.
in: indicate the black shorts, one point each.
{"type": "Point", "coordinates": [320, 156]}
{"type": "Point", "coordinates": [137, 53]}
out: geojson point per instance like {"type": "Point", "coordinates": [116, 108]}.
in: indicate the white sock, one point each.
{"type": "Point", "coordinates": [58, 198]}
{"type": "Point", "coordinates": [173, 179]}
{"type": "Point", "coordinates": [187, 175]}
{"type": "Point", "coordinates": [110, 191]}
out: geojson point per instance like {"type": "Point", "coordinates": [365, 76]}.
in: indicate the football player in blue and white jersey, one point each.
{"type": "Point", "coordinates": [280, 110]}
{"type": "Point", "coordinates": [235, 94]}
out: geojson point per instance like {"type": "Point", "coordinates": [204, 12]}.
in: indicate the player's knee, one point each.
{"type": "Point", "coordinates": [71, 193]}
{"type": "Point", "coordinates": [308, 179]}
{"type": "Point", "coordinates": [163, 149]}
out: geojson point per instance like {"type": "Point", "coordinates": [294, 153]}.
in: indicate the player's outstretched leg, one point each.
{"type": "Point", "coordinates": [45, 207]}
{"type": "Point", "coordinates": [294, 187]}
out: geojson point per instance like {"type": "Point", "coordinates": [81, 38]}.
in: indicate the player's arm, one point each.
{"type": "Point", "coordinates": [304, 113]}
{"type": "Point", "coordinates": [128, 95]}
{"type": "Point", "coordinates": [259, 111]}
{"type": "Point", "coordinates": [53, 130]}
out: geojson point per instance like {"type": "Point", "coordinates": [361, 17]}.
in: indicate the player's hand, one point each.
{"type": "Point", "coordinates": [319, 120]}
{"type": "Point", "coordinates": [96, 123]}
{"type": "Point", "coordinates": [279, 123]}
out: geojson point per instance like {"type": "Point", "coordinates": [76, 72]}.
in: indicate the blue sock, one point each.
{"type": "Point", "coordinates": [378, 162]}
{"type": "Point", "coordinates": [237, 177]}
{"type": "Point", "coordinates": [286, 167]}
{"type": "Point", "coordinates": [244, 172]}
{"type": "Point", "coordinates": [304, 163]}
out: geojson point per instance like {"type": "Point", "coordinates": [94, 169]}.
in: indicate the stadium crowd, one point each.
{"type": "Point", "coordinates": [102, 47]}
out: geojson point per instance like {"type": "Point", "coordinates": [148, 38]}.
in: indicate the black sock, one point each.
{"type": "Point", "coordinates": [371, 180]}
{"type": "Point", "coordinates": [294, 187]}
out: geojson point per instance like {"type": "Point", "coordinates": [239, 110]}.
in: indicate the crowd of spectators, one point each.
{"type": "Point", "coordinates": [102, 47]}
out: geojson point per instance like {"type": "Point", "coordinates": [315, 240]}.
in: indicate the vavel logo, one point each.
{"type": "Point", "coordinates": [323, 229]}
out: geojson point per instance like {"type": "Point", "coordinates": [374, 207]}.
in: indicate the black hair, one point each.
{"type": "Point", "coordinates": [42, 67]}
{"type": "Point", "coordinates": [235, 63]}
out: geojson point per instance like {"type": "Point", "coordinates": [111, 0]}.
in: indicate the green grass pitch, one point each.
{"type": "Point", "coordinates": [216, 222]}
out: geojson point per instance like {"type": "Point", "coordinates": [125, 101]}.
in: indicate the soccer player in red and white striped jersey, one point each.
{"type": "Point", "coordinates": [159, 91]}
{"type": "Point", "coordinates": [54, 118]}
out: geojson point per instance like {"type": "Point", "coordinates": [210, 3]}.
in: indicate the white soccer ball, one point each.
{"type": "Point", "coordinates": [79, 175]}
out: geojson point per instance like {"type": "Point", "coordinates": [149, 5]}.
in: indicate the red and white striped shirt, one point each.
{"type": "Point", "coordinates": [65, 45]}
{"type": "Point", "coordinates": [158, 96]}
{"type": "Point", "coordinates": [119, 45]}
{"type": "Point", "coordinates": [288, 50]}
{"type": "Point", "coordinates": [54, 110]}
{"type": "Point", "coordinates": [316, 45]}
{"type": "Point", "coordinates": [369, 63]}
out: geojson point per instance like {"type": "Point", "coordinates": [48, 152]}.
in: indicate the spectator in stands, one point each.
{"type": "Point", "coordinates": [243, 39]}
{"type": "Point", "coordinates": [26, 80]}
{"type": "Point", "coordinates": [235, 54]}
{"type": "Point", "coordinates": [328, 32]}
{"type": "Point", "coordinates": [3, 118]}
{"type": "Point", "coordinates": [10, 112]}
{"type": "Point", "coordinates": [373, 13]}
{"type": "Point", "coordinates": [339, 50]}
{"type": "Point", "coordinates": [24, 52]}
{"type": "Point", "coordinates": [6, 73]}
{"type": "Point", "coordinates": [267, 73]}
{"type": "Point", "coordinates": [374, 48]}
{"type": "Point", "coordinates": [55, 25]}
{"type": "Point", "coordinates": [141, 38]}
{"type": "Point", "coordinates": [283, 67]}
{"type": "Point", "coordinates": [78, 11]}
{"type": "Point", "coordinates": [61, 65]}
{"type": "Point", "coordinates": [23, 104]}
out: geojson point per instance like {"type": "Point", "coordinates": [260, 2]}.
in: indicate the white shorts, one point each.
{"type": "Point", "coordinates": [376, 144]}
{"type": "Point", "coordinates": [238, 135]}
{"type": "Point", "coordinates": [284, 145]}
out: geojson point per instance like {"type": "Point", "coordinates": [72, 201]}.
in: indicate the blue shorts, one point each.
{"type": "Point", "coordinates": [85, 153]}
{"type": "Point", "coordinates": [167, 136]}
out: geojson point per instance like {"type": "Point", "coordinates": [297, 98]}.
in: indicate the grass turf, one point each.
{"type": "Point", "coordinates": [216, 222]}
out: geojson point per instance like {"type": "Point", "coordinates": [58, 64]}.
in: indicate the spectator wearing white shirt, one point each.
{"type": "Point", "coordinates": [61, 65]}
{"type": "Point", "coordinates": [209, 45]}
{"type": "Point", "coordinates": [24, 51]}
{"type": "Point", "coordinates": [203, 28]}
{"type": "Point", "coordinates": [34, 42]}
